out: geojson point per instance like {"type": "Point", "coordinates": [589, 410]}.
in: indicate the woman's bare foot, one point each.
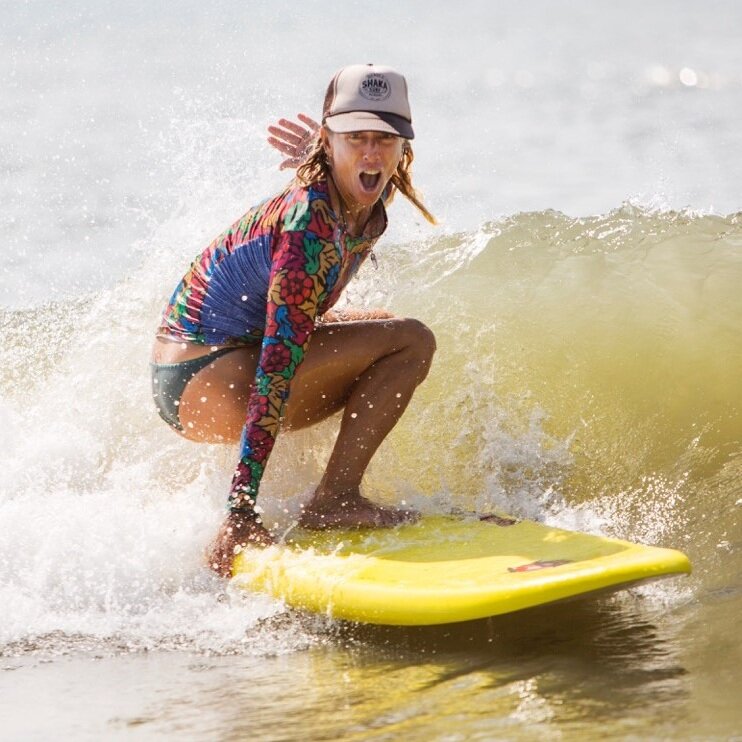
{"type": "Point", "coordinates": [238, 531]}
{"type": "Point", "coordinates": [351, 510]}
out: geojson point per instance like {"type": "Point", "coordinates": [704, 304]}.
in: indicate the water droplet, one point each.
{"type": "Point", "coordinates": [688, 77]}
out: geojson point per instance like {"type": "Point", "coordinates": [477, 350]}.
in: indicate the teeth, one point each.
{"type": "Point", "coordinates": [371, 172]}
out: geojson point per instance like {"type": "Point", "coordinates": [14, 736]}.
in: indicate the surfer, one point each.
{"type": "Point", "coordinates": [232, 358]}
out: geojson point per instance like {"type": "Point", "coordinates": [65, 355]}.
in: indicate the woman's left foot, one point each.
{"type": "Point", "coordinates": [351, 510]}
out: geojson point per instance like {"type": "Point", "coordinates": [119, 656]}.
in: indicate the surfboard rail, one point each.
{"type": "Point", "coordinates": [446, 569]}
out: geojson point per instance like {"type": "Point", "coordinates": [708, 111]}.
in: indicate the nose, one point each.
{"type": "Point", "coordinates": [371, 151]}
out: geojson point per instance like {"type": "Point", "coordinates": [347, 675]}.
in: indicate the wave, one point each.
{"type": "Point", "coordinates": [587, 374]}
{"type": "Point", "coordinates": [595, 359]}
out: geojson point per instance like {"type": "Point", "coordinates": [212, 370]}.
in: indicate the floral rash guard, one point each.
{"type": "Point", "coordinates": [267, 279]}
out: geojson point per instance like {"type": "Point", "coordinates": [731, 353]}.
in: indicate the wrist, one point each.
{"type": "Point", "coordinates": [239, 517]}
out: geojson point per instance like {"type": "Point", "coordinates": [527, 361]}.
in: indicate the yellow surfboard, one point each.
{"type": "Point", "coordinates": [445, 569]}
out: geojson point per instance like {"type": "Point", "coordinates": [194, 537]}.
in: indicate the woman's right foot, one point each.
{"type": "Point", "coordinates": [351, 510]}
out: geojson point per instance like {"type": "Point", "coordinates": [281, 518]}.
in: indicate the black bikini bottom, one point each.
{"type": "Point", "coordinates": [169, 380]}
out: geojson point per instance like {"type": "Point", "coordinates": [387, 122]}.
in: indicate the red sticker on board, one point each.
{"type": "Point", "coordinates": [541, 564]}
{"type": "Point", "coordinates": [498, 520]}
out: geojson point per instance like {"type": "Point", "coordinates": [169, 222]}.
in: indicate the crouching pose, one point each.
{"type": "Point", "coordinates": [248, 342]}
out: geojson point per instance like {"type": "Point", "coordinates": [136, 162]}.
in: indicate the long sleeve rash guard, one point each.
{"type": "Point", "coordinates": [269, 277]}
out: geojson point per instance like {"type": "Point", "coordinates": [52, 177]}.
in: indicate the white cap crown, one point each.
{"type": "Point", "coordinates": [368, 97]}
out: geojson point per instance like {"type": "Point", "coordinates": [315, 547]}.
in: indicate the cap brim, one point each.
{"type": "Point", "coordinates": [343, 123]}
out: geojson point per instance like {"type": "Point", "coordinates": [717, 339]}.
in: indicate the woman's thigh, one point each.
{"type": "Point", "coordinates": [214, 403]}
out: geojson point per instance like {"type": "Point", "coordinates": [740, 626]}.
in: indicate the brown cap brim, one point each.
{"type": "Point", "coordinates": [344, 123]}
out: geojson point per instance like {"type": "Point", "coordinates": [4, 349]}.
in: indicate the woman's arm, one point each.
{"type": "Point", "coordinates": [302, 261]}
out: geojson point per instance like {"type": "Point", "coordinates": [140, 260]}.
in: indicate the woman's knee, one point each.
{"type": "Point", "coordinates": [420, 342]}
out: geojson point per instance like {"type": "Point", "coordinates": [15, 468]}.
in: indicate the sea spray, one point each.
{"type": "Point", "coordinates": [586, 374]}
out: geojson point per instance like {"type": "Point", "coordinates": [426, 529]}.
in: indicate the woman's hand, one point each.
{"type": "Point", "coordinates": [292, 139]}
{"type": "Point", "coordinates": [354, 315]}
{"type": "Point", "coordinates": [238, 531]}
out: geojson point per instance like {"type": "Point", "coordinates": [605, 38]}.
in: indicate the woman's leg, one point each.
{"type": "Point", "coordinates": [368, 368]}
{"type": "Point", "coordinates": [373, 399]}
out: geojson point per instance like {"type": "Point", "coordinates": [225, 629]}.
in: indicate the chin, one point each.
{"type": "Point", "coordinates": [368, 199]}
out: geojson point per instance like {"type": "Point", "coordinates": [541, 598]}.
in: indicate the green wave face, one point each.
{"type": "Point", "coordinates": [591, 359]}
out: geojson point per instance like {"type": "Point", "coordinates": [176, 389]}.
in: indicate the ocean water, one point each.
{"type": "Point", "coordinates": [584, 288]}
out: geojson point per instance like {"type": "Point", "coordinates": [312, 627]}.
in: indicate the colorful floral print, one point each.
{"type": "Point", "coordinates": [269, 276]}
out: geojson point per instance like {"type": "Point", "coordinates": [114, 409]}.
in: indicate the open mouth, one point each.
{"type": "Point", "coordinates": [370, 179]}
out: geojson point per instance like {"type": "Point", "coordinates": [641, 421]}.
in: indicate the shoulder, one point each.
{"type": "Point", "coordinates": [307, 208]}
{"type": "Point", "coordinates": [296, 192]}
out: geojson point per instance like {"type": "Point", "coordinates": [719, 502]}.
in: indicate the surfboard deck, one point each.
{"type": "Point", "coordinates": [446, 569]}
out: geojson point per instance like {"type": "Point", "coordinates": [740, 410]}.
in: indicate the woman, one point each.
{"type": "Point", "coordinates": [235, 337]}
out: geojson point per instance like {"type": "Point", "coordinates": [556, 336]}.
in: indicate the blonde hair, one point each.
{"type": "Point", "coordinates": [317, 167]}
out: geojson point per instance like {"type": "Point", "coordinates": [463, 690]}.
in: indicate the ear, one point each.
{"type": "Point", "coordinates": [324, 135]}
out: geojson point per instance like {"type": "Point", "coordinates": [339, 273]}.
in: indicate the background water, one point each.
{"type": "Point", "coordinates": [584, 290]}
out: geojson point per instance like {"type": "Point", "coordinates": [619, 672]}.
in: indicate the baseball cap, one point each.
{"type": "Point", "coordinates": [368, 97]}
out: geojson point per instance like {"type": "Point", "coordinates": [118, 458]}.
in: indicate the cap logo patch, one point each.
{"type": "Point", "coordinates": [375, 87]}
